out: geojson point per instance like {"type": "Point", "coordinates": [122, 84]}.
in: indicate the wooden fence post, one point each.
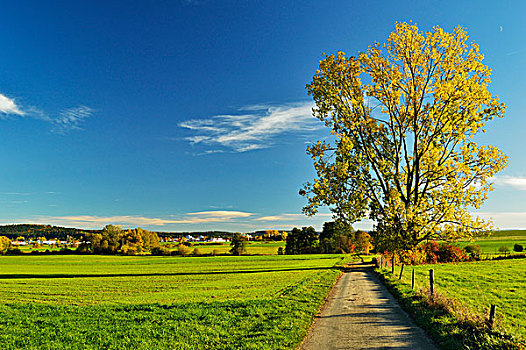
{"type": "Point", "coordinates": [413, 280]}
{"type": "Point", "coordinates": [401, 272]}
{"type": "Point", "coordinates": [432, 282]}
{"type": "Point", "coordinates": [492, 311]}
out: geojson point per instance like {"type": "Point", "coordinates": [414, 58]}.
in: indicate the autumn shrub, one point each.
{"type": "Point", "coordinates": [161, 250]}
{"type": "Point", "coordinates": [431, 252]}
{"type": "Point", "coordinates": [13, 251]}
{"type": "Point", "coordinates": [196, 252]}
{"type": "Point", "coordinates": [129, 249]}
{"type": "Point", "coordinates": [473, 250]}
{"type": "Point", "coordinates": [504, 249]}
{"type": "Point", "coordinates": [450, 253]}
{"type": "Point", "coordinates": [414, 256]}
{"type": "Point", "coordinates": [182, 250]}
{"type": "Point", "coordinates": [428, 253]}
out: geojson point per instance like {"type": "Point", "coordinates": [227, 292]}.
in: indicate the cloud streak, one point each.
{"type": "Point", "coordinates": [505, 220]}
{"type": "Point", "coordinates": [67, 119]}
{"type": "Point", "coordinates": [256, 126]}
{"type": "Point", "coordinates": [71, 118]}
{"type": "Point", "coordinates": [515, 182]}
{"type": "Point", "coordinates": [93, 221]}
{"type": "Point", "coordinates": [289, 217]}
{"type": "Point", "coordinates": [197, 221]}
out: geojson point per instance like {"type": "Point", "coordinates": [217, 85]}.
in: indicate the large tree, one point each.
{"type": "Point", "coordinates": [403, 116]}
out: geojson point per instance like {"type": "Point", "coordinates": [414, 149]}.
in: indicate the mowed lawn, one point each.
{"type": "Point", "coordinates": [480, 284]}
{"type": "Point", "coordinates": [116, 302]}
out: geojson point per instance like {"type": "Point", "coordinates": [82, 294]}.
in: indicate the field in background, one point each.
{"type": "Point", "coordinates": [252, 248]}
{"type": "Point", "coordinates": [490, 245]}
{"type": "Point", "coordinates": [480, 284]}
{"type": "Point", "coordinates": [115, 302]}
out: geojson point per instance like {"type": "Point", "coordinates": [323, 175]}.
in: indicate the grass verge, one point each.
{"type": "Point", "coordinates": [448, 322]}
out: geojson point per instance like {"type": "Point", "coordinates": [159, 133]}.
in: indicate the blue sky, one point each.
{"type": "Point", "coordinates": [193, 115]}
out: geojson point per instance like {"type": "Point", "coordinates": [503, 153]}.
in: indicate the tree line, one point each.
{"type": "Point", "coordinates": [114, 240]}
{"type": "Point", "coordinates": [31, 231]}
{"type": "Point", "coordinates": [336, 237]}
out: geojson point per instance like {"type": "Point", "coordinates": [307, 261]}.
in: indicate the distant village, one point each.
{"type": "Point", "coordinates": [73, 242]}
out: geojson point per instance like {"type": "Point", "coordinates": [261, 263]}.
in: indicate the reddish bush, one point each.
{"type": "Point", "coordinates": [429, 253]}
{"type": "Point", "coordinates": [415, 256]}
{"type": "Point", "coordinates": [450, 253]}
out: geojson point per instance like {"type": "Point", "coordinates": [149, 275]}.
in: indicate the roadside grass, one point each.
{"type": "Point", "coordinates": [466, 291]}
{"type": "Point", "coordinates": [93, 302]}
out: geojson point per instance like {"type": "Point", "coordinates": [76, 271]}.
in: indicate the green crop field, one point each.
{"type": "Point", "coordinates": [252, 248]}
{"type": "Point", "coordinates": [490, 246]}
{"type": "Point", "coordinates": [480, 284]}
{"type": "Point", "coordinates": [511, 234]}
{"type": "Point", "coordinates": [145, 302]}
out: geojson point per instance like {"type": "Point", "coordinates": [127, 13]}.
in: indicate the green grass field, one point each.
{"type": "Point", "coordinates": [511, 234]}
{"type": "Point", "coordinates": [252, 248]}
{"type": "Point", "coordinates": [116, 302]}
{"type": "Point", "coordinates": [480, 284]}
{"type": "Point", "coordinates": [490, 245]}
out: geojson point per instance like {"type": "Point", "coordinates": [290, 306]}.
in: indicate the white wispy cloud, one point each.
{"type": "Point", "coordinates": [516, 52]}
{"type": "Point", "coordinates": [221, 214]}
{"type": "Point", "coordinates": [94, 221]}
{"type": "Point", "coordinates": [516, 182]}
{"type": "Point", "coordinates": [8, 106]}
{"type": "Point", "coordinates": [505, 220]}
{"type": "Point", "coordinates": [290, 217]}
{"type": "Point", "coordinates": [203, 220]}
{"type": "Point", "coordinates": [254, 130]}
{"type": "Point", "coordinates": [67, 119]}
{"type": "Point", "coordinates": [71, 118]}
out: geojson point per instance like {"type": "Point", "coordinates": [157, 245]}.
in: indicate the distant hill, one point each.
{"type": "Point", "coordinates": [33, 231]}
{"type": "Point", "coordinates": [509, 233]}
{"type": "Point", "coordinates": [48, 231]}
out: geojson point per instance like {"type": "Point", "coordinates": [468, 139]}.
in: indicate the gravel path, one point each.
{"type": "Point", "coordinates": [361, 314]}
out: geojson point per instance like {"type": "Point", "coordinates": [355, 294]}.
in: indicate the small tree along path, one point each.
{"type": "Point", "coordinates": [361, 314]}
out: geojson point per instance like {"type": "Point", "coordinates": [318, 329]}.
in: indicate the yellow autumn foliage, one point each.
{"type": "Point", "coordinates": [403, 116]}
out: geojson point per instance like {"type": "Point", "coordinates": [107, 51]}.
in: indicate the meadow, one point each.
{"type": "Point", "coordinates": [475, 285]}
{"type": "Point", "coordinates": [489, 246]}
{"type": "Point", "coordinates": [147, 302]}
{"type": "Point", "coordinates": [252, 248]}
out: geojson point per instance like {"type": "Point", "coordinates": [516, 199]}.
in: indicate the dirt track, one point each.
{"type": "Point", "coordinates": [361, 314]}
